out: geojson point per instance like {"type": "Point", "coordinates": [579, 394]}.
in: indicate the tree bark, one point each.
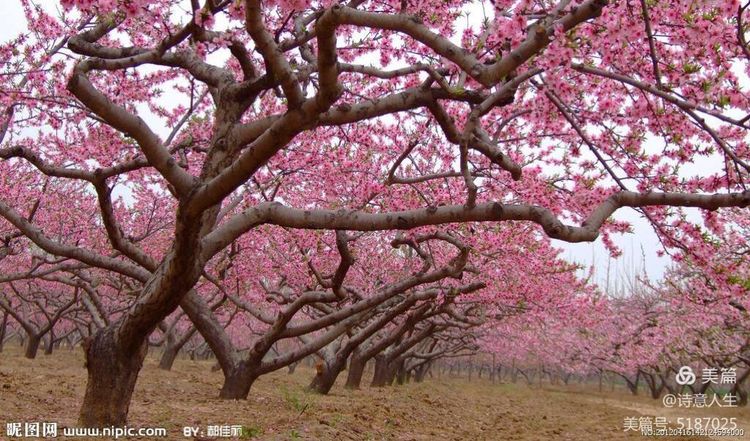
{"type": "Point", "coordinates": [356, 371]}
{"type": "Point", "coordinates": [326, 376]}
{"type": "Point", "coordinates": [3, 327]}
{"type": "Point", "coordinates": [32, 346]}
{"type": "Point", "coordinates": [173, 346]}
{"type": "Point", "coordinates": [400, 373]}
{"type": "Point", "coordinates": [50, 346]}
{"type": "Point", "coordinates": [237, 382]}
{"type": "Point", "coordinates": [112, 374]}
{"type": "Point", "coordinates": [168, 357]}
{"type": "Point", "coordinates": [384, 372]}
{"type": "Point", "coordinates": [421, 371]}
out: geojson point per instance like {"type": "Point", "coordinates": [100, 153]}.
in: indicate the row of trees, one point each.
{"type": "Point", "coordinates": [644, 332]}
{"type": "Point", "coordinates": [364, 180]}
{"type": "Point", "coordinates": [418, 299]}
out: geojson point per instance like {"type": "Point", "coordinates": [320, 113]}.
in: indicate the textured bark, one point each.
{"type": "Point", "coordinates": [237, 383]}
{"type": "Point", "coordinates": [210, 329]}
{"type": "Point", "coordinates": [112, 374]}
{"type": "Point", "coordinates": [356, 371]}
{"type": "Point", "coordinates": [32, 346]}
{"type": "Point", "coordinates": [384, 373]}
{"type": "Point", "coordinates": [326, 376]}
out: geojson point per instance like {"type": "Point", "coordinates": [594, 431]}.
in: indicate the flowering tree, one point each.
{"type": "Point", "coordinates": [184, 125]}
{"type": "Point", "coordinates": [37, 313]}
{"type": "Point", "coordinates": [695, 317]}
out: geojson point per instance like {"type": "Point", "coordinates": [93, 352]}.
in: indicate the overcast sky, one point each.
{"type": "Point", "coordinates": [13, 21]}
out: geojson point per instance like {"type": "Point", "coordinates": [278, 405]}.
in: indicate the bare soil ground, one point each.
{"type": "Point", "coordinates": [50, 388]}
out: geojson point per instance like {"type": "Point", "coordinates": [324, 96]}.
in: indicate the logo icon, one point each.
{"type": "Point", "coordinates": [685, 376]}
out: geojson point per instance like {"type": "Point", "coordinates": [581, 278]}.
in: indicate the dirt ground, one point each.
{"type": "Point", "coordinates": [50, 388]}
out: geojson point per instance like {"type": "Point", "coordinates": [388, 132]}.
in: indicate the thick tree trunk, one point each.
{"type": "Point", "coordinates": [381, 375]}
{"type": "Point", "coordinates": [326, 376]}
{"type": "Point", "coordinates": [112, 374]}
{"type": "Point", "coordinates": [32, 346]}
{"type": "Point", "coordinates": [356, 371]}
{"type": "Point", "coordinates": [237, 383]}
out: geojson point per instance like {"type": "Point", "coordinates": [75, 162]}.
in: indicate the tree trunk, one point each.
{"type": "Point", "coordinates": [421, 371]}
{"type": "Point", "coordinates": [356, 371]}
{"type": "Point", "coordinates": [400, 372]}
{"type": "Point", "coordinates": [112, 374]}
{"type": "Point", "coordinates": [168, 357]}
{"type": "Point", "coordinates": [3, 327]}
{"type": "Point", "coordinates": [32, 346]}
{"type": "Point", "coordinates": [237, 383]}
{"type": "Point", "coordinates": [633, 385]}
{"type": "Point", "coordinates": [326, 376]}
{"type": "Point", "coordinates": [654, 388]}
{"type": "Point", "coordinates": [382, 374]}
{"type": "Point", "coordinates": [50, 343]}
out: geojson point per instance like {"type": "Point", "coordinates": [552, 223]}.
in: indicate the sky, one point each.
{"type": "Point", "coordinates": [12, 21]}
{"type": "Point", "coordinates": [639, 252]}
{"type": "Point", "coordinates": [639, 248]}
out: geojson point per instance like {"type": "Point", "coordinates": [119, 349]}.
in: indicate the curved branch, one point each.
{"type": "Point", "coordinates": [276, 213]}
